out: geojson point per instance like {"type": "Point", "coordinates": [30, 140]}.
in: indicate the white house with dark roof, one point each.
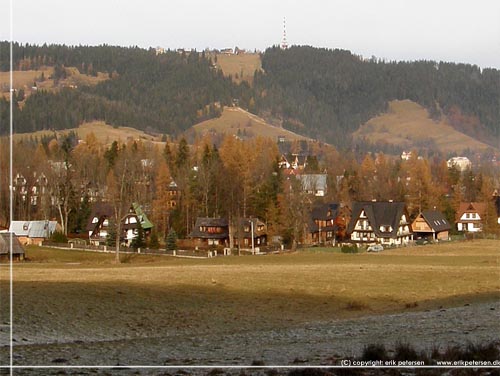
{"type": "Point", "coordinates": [383, 222]}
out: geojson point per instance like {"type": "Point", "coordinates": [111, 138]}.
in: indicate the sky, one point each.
{"type": "Point", "coordinates": [441, 30]}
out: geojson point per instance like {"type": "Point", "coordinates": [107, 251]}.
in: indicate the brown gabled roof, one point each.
{"type": "Point", "coordinates": [471, 207]}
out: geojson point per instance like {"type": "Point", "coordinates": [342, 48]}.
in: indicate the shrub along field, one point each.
{"type": "Point", "coordinates": [69, 295]}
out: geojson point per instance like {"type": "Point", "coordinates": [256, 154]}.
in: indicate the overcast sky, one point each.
{"type": "Point", "coordinates": [448, 30]}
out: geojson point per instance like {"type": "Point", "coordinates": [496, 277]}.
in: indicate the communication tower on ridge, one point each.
{"type": "Point", "coordinates": [284, 43]}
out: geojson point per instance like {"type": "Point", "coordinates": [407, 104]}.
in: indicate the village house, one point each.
{"type": "Point", "coordinates": [328, 223]}
{"type": "Point", "coordinates": [131, 222]}
{"type": "Point", "coordinates": [210, 232]}
{"type": "Point", "coordinates": [496, 200]}
{"type": "Point", "coordinates": [384, 222]}
{"type": "Point", "coordinates": [174, 194]}
{"type": "Point", "coordinates": [460, 163]}
{"type": "Point", "coordinates": [101, 218]}
{"type": "Point", "coordinates": [33, 232]}
{"type": "Point", "coordinates": [470, 216]}
{"type": "Point", "coordinates": [251, 228]}
{"type": "Point", "coordinates": [431, 225]}
{"type": "Point", "coordinates": [98, 225]}
{"type": "Point", "coordinates": [5, 247]}
{"type": "Point", "coordinates": [313, 184]}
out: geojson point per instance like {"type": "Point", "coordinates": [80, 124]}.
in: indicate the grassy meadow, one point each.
{"type": "Point", "coordinates": [407, 122]}
{"type": "Point", "coordinates": [67, 294]}
{"type": "Point", "coordinates": [236, 121]}
{"type": "Point", "coordinates": [240, 67]}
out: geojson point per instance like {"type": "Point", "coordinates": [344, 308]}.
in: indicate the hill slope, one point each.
{"type": "Point", "coordinates": [104, 133]}
{"type": "Point", "coordinates": [238, 122]}
{"type": "Point", "coordinates": [408, 125]}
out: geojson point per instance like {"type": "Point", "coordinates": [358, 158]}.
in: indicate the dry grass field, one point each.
{"type": "Point", "coordinates": [104, 133]}
{"type": "Point", "coordinates": [407, 123]}
{"type": "Point", "coordinates": [238, 122]}
{"type": "Point", "coordinates": [240, 67]}
{"type": "Point", "coordinates": [24, 80]}
{"type": "Point", "coordinates": [71, 295]}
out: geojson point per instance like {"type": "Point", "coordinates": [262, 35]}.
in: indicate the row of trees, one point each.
{"type": "Point", "coordinates": [235, 179]}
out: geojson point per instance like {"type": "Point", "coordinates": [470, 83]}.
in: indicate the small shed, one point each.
{"type": "Point", "coordinates": [5, 247]}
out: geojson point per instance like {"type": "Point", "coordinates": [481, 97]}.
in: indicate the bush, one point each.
{"type": "Point", "coordinates": [349, 249]}
{"type": "Point", "coordinates": [405, 352]}
{"type": "Point", "coordinates": [58, 237]}
{"type": "Point", "coordinates": [374, 352]}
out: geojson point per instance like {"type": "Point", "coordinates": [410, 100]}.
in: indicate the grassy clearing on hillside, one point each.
{"type": "Point", "coordinates": [240, 67]}
{"type": "Point", "coordinates": [104, 133]}
{"type": "Point", "coordinates": [25, 79]}
{"type": "Point", "coordinates": [67, 294]}
{"type": "Point", "coordinates": [238, 122]}
{"type": "Point", "coordinates": [408, 124]}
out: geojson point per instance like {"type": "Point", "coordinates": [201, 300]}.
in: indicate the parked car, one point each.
{"type": "Point", "coordinates": [375, 248]}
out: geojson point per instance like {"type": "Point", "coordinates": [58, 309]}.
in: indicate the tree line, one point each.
{"type": "Point", "coordinates": [232, 179]}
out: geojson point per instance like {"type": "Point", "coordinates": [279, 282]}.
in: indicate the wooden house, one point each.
{"type": "Point", "coordinates": [328, 223]}
{"type": "Point", "coordinates": [33, 232]}
{"type": "Point", "coordinates": [470, 216]}
{"type": "Point", "coordinates": [17, 249]}
{"type": "Point", "coordinates": [210, 232]}
{"type": "Point", "coordinates": [98, 225]}
{"type": "Point", "coordinates": [431, 225]}
{"type": "Point", "coordinates": [132, 221]}
{"type": "Point", "coordinates": [251, 228]}
{"type": "Point", "coordinates": [384, 222]}
{"type": "Point", "coordinates": [101, 219]}
{"type": "Point", "coordinates": [496, 200]}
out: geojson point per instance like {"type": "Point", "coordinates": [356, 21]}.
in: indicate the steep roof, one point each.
{"type": "Point", "coordinates": [143, 219]}
{"type": "Point", "coordinates": [379, 213]}
{"type": "Point", "coordinates": [324, 212]}
{"type": "Point", "coordinates": [17, 248]}
{"type": "Point", "coordinates": [471, 207]}
{"type": "Point", "coordinates": [436, 220]}
{"type": "Point", "coordinates": [99, 210]}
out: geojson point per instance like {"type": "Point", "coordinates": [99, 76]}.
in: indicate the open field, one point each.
{"type": "Point", "coordinates": [24, 80]}
{"type": "Point", "coordinates": [104, 133]}
{"type": "Point", "coordinates": [240, 67]}
{"type": "Point", "coordinates": [238, 122]}
{"type": "Point", "coordinates": [407, 123]}
{"type": "Point", "coordinates": [79, 302]}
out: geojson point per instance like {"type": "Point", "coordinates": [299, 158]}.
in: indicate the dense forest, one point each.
{"type": "Point", "coordinates": [167, 93]}
{"type": "Point", "coordinates": [321, 93]}
{"type": "Point", "coordinates": [332, 92]}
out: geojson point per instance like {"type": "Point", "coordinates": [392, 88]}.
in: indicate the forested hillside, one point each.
{"type": "Point", "coordinates": [332, 92]}
{"type": "Point", "coordinates": [167, 93]}
{"type": "Point", "coordinates": [320, 93]}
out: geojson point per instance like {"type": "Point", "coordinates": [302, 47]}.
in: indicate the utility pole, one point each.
{"type": "Point", "coordinates": [253, 244]}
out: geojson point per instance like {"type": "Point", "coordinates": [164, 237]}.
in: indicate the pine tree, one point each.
{"type": "Point", "coordinates": [172, 240]}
